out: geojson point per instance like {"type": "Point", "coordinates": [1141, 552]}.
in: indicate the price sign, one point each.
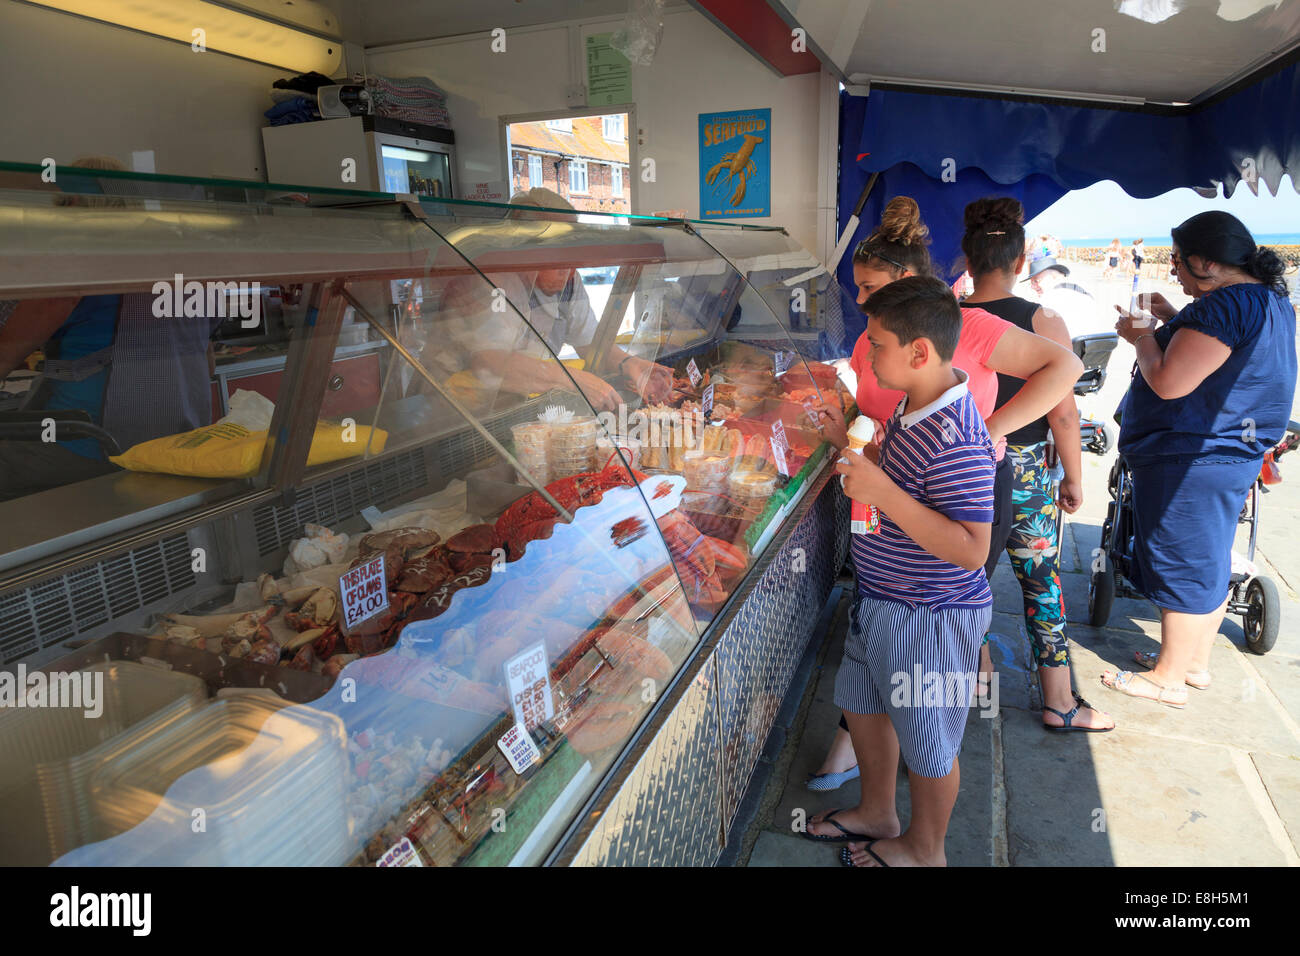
{"type": "Point", "coordinates": [693, 371]}
{"type": "Point", "coordinates": [401, 853]}
{"type": "Point", "coordinates": [529, 681]}
{"type": "Point", "coordinates": [517, 744]}
{"type": "Point", "coordinates": [707, 402]}
{"type": "Point", "coordinates": [780, 448]}
{"type": "Point", "coordinates": [364, 590]}
{"type": "Point", "coordinates": [783, 361]}
{"type": "Point", "coordinates": [813, 417]}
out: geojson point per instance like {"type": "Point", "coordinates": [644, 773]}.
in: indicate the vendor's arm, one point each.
{"type": "Point", "coordinates": [651, 381]}
{"type": "Point", "coordinates": [522, 373]}
{"type": "Point", "coordinates": [963, 543]}
{"type": "Point", "coordinates": [30, 326]}
{"type": "Point", "coordinates": [1049, 371]}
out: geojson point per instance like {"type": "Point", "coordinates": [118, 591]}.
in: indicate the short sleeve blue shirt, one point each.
{"type": "Point", "coordinates": [1242, 408]}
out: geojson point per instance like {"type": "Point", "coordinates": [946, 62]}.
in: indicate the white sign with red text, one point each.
{"type": "Point", "coordinates": [364, 590]}
{"type": "Point", "coordinates": [780, 448]}
{"type": "Point", "coordinates": [517, 744]}
{"type": "Point", "coordinates": [401, 853]}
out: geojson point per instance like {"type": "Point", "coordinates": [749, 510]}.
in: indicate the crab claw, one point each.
{"type": "Point", "coordinates": [713, 173]}
{"type": "Point", "coordinates": [740, 192]}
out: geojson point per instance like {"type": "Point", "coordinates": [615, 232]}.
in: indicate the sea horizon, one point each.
{"type": "Point", "coordinates": [1263, 238]}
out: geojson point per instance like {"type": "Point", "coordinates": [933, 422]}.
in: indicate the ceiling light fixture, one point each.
{"type": "Point", "coordinates": [216, 27]}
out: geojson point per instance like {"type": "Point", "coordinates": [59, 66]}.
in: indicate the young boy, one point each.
{"type": "Point", "coordinates": [925, 602]}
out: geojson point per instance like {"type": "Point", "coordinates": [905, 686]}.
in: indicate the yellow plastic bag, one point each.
{"type": "Point", "coordinates": [229, 450]}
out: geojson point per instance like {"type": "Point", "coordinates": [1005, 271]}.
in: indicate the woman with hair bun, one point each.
{"type": "Point", "coordinates": [988, 345]}
{"type": "Point", "coordinates": [1211, 394]}
{"type": "Point", "coordinates": [994, 245]}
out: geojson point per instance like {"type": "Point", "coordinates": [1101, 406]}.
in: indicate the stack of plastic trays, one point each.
{"type": "Point", "coordinates": [531, 450]}
{"type": "Point", "coordinates": [44, 807]}
{"type": "Point", "coordinates": [573, 445]}
{"type": "Point", "coordinates": [245, 781]}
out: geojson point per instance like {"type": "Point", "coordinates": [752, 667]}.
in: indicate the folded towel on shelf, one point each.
{"type": "Point", "coordinates": [413, 98]}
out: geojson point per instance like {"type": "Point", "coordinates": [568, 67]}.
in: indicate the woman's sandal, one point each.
{"type": "Point", "coordinates": [846, 836]}
{"type": "Point", "coordinates": [846, 855]}
{"type": "Point", "coordinates": [1068, 719]}
{"type": "Point", "coordinates": [1123, 682]}
{"type": "Point", "coordinates": [1198, 679]}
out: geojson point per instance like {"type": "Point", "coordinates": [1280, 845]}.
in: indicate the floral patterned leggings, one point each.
{"type": "Point", "coordinates": [1033, 549]}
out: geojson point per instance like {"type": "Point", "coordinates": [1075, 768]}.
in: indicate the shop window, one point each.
{"type": "Point", "coordinates": [534, 170]}
{"type": "Point", "coordinates": [613, 127]}
{"type": "Point", "coordinates": [616, 181]}
{"type": "Point", "coordinates": [577, 175]}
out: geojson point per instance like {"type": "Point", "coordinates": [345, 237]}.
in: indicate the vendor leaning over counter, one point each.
{"type": "Point", "coordinates": [137, 376]}
{"type": "Point", "coordinates": [555, 303]}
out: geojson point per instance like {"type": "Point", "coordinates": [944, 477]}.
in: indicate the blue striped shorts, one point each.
{"type": "Point", "coordinates": [919, 665]}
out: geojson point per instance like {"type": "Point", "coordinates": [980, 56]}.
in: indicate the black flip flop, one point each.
{"type": "Point", "coordinates": [846, 855]}
{"type": "Point", "coordinates": [848, 836]}
{"type": "Point", "coordinates": [1067, 719]}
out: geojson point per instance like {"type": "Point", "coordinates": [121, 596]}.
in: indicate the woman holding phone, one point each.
{"type": "Point", "coordinates": [1211, 394]}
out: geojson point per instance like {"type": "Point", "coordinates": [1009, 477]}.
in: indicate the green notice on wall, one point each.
{"type": "Point", "coordinates": [609, 75]}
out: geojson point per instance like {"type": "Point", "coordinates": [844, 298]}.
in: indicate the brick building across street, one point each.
{"type": "Point", "coordinates": [584, 159]}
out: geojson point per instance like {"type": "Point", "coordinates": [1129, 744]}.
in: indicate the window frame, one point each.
{"type": "Point", "coordinates": [574, 164]}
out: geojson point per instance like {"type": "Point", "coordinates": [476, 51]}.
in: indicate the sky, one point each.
{"type": "Point", "coordinates": [1104, 211]}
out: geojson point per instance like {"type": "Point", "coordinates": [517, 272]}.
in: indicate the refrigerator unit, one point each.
{"type": "Point", "coordinates": [390, 156]}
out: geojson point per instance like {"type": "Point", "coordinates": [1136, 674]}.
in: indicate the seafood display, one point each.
{"type": "Point", "coordinates": [614, 614]}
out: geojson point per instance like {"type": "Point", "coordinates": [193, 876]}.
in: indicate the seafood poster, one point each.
{"type": "Point", "coordinates": [736, 164]}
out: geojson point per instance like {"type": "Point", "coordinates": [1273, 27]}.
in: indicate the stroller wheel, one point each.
{"type": "Point", "coordinates": [1101, 595]}
{"type": "Point", "coordinates": [1263, 615]}
{"type": "Point", "coordinates": [1102, 441]}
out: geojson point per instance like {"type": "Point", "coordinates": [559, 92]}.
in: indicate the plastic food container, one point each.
{"type": "Point", "coordinates": [532, 441]}
{"type": "Point", "coordinates": [707, 473]}
{"type": "Point", "coordinates": [46, 754]}
{"type": "Point", "coordinates": [751, 489]}
{"type": "Point", "coordinates": [269, 779]}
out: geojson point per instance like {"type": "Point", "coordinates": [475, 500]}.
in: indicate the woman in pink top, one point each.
{"type": "Point", "coordinates": [988, 345]}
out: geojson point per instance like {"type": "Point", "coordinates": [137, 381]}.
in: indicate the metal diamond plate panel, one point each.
{"type": "Point", "coordinates": [762, 646]}
{"type": "Point", "coordinates": [667, 811]}
{"type": "Point", "coordinates": [687, 785]}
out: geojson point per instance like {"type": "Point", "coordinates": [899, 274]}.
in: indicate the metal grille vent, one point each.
{"type": "Point", "coordinates": [467, 450]}
{"type": "Point", "coordinates": [380, 483]}
{"type": "Point", "coordinates": [74, 603]}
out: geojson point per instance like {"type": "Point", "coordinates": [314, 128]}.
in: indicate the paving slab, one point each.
{"type": "Point", "coordinates": [1226, 714]}
{"type": "Point", "coordinates": [776, 849]}
{"type": "Point", "coordinates": [1115, 799]}
{"type": "Point", "coordinates": [1281, 776]}
{"type": "Point", "coordinates": [1125, 614]}
{"type": "Point", "coordinates": [1282, 676]}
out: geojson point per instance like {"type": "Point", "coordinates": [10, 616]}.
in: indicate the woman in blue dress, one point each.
{"type": "Point", "coordinates": [1211, 394]}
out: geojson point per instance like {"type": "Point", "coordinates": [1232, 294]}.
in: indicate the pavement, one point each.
{"type": "Point", "coordinates": [1216, 784]}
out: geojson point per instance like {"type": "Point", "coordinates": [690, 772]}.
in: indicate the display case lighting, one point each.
{"type": "Point", "coordinates": [223, 30]}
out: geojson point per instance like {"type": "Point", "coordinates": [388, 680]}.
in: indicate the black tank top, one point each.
{"type": "Point", "coordinates": [1019, 312]}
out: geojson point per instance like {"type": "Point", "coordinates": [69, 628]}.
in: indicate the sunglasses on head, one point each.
{"type": "Point", "coordinates": [862, 252]}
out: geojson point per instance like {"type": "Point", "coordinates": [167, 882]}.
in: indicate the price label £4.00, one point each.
{"type": "Point", "coordinates": [364, 590]}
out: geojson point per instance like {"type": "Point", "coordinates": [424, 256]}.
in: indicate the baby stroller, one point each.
{"type": "Point", "coordinates": [1252, 596]}
{"type": "Point", "coordinates": [1094, 351]}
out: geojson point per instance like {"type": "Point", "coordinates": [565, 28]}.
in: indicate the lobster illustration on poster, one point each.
{"type": "Point", "coordinates": [736, 164]}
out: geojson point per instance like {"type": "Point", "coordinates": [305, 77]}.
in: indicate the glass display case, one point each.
{"type": "Point", "coordinates": [416, 620]}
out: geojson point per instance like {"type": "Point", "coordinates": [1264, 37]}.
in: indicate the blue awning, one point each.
{"type": "Point", "coordinates": [1038, 151]}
